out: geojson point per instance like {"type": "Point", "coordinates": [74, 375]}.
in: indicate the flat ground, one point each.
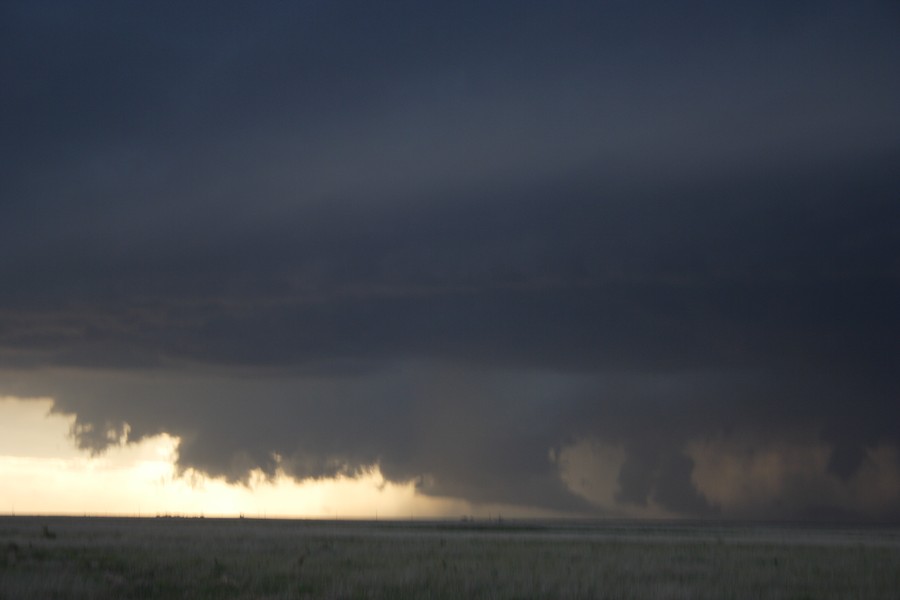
{"type": "Point", "coordinates": [100, 558]}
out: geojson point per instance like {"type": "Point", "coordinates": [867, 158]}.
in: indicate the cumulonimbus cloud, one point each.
{"type": "Point", "coordinates": [304, 250]}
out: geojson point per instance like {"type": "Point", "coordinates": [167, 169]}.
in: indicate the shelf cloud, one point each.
{"type": "Point", "coordinates": [603, 258]}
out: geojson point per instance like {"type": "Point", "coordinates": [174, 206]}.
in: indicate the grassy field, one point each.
{"type": "Point", "coordinates": [100, 558]}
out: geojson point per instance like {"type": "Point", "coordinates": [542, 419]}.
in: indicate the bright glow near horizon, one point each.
{"type": "Point", "coordinates": [42, 472]}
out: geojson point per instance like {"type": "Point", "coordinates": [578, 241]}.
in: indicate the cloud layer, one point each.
{"type": "Point", "coordinates": [467, 244]}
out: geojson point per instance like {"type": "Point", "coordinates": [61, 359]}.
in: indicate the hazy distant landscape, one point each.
{"type": "Point", "coordinates": [58, 557]}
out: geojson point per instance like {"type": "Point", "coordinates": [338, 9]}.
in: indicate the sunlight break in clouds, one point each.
{"type": "Point", "coordinates": [41, 472]}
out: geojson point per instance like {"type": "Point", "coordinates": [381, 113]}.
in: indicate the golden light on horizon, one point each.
{"type": "Point", "coordinates": [42, 472]}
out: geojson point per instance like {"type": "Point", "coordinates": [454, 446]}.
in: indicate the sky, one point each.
{"type": "Point", "coordinates": [342, 258]}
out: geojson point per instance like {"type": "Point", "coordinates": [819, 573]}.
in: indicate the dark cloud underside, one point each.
{"type": "Point", "coordinates": [454, 239]}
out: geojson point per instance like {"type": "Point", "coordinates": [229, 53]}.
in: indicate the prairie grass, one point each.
{"type": "Point", "coordinates": [269, 559]}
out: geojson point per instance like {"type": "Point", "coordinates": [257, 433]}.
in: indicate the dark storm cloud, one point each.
{"type": "Point", "coordinates": [452, 239]}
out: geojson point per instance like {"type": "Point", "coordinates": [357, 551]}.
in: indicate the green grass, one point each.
{"type": "Point", "coordinates": [211, 558]}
